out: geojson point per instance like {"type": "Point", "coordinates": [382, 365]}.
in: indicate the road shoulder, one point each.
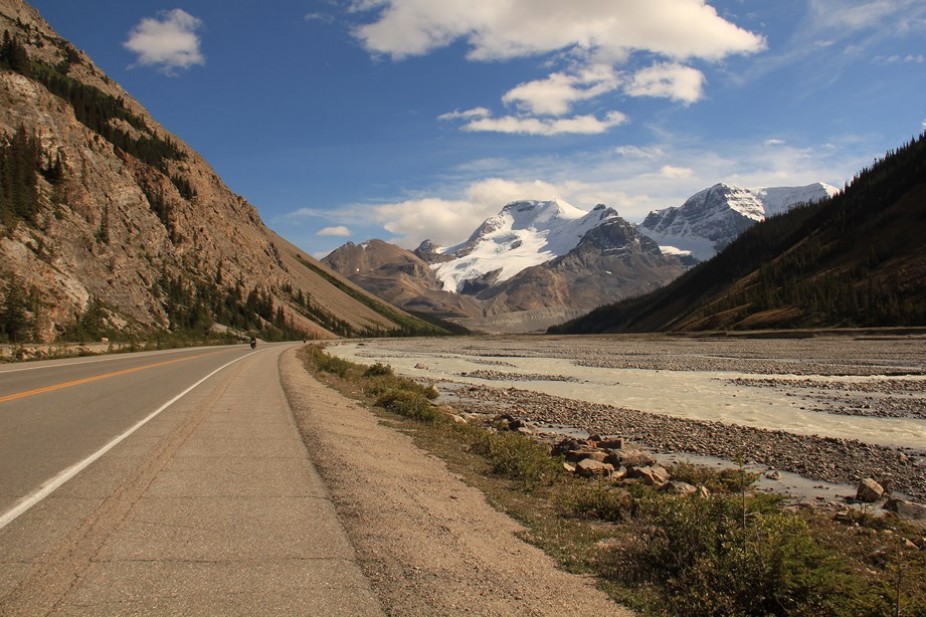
{"type": "Point", "coordinates": [429, 543]}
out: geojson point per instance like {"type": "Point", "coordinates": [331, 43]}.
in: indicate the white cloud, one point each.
{"type": "Point", "coordinates": [581, 125]}
{"type": "Point", "coordinates": [448, 221]}
{"type": "Point", "coordinates": [469, 114]}
{"type": "Point", "coordinates": [168, 41]}
{"type": "Point", "coordinates": [674, 81]}
{"type": "Point", "coordinates": [638, 152]}
{"type": "Point", "coordinates": [671, 171]}
{"type": "Point", "coordinates": [634, 180]}
{"type": "Point", "coordinates": [591, 39]}
{"type": "Point", "coordinates": [519, 28]}
{"type": "Point", "coordinates": [339, 231]}
{"type": "Point", "coordinates": [556, 94]}
{"type": "Point", "coordinates": [774, 141]}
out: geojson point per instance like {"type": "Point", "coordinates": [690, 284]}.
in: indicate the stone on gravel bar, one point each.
{"type": "Point", "coordinates": [869, 491]}
{"type": "Point", "coordinates": [631, 457]}
{"type": "Point", "coordinates": [907, 509]}
{"type": "Point", "coordinates": [588, 468]}
{"type": "Point", "coordinates": [655, 475]}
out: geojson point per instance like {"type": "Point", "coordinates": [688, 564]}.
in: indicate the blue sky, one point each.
{"type": "Point", "coordinates": [412, 119]}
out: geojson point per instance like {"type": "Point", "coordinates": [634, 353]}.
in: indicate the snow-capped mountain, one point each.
{"type": "Point", "coordinates": [534, 264]}
{"type": "Point", "coordinates": [523, 234]}
{"type": "Point", "coordinates": [714, 217]}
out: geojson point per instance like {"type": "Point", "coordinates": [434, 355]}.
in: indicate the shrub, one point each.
{"type": "Point", "coordinates": [595, 500]}
{"type": "Point", "coordinates": [519, 458]}
{"type": "Point", "coordinates": [378, 369]}
{"type": "Point", "coordinates": [328, 363]}
{"type": "Point", "coordinates": [407, 403]}
{"type": "Point", "coordinates": [385, 382]}
{"type": "Point", "coordinates": [714, 561]}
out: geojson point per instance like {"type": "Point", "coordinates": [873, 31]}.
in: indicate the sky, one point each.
{"type": "Point", "coordinates": [406, 120]}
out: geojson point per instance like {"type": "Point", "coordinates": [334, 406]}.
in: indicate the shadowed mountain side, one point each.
{"type": "Point", "coordinates": [856, 259]}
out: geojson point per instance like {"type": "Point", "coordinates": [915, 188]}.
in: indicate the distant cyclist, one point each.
{"type": "Point", "coordinates": [253, 342]}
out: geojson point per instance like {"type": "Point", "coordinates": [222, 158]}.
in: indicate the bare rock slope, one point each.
{"type": "Point", "coordinates": [124, 219]}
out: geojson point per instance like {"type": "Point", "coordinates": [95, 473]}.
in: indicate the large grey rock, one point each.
{"type": "Point", "coordinates": [654, 475]}
{"type": "Point", "coordinates": [589, 468]}
{"type": "Point", "coordinates": [907, 509]}
{"type": "Point", "coordinates": [631, 457]}
{"type": "Point", "coordinates": [869, 491]}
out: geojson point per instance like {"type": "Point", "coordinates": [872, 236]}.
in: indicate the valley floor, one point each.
{"type": "Point", "coordinates": [827, 410]}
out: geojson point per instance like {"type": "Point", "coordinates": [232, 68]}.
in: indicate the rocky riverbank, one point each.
{"type": "Point", "coordinates": [825, 459]}
{"type": "Point", "coordinates": [872, 378]}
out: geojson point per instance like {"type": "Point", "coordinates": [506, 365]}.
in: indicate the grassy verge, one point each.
{"type": "Point", "coordinates": [725, 550]}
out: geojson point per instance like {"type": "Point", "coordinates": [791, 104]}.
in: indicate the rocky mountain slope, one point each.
{"type": "Point", "coordinates": [532, 265]}
{"type": "Point", "coordinates": [710, 219]}
{"type": "Point", "coordinates": [855, 259]}
{"type": "Point", "coordinates": [112, 225]}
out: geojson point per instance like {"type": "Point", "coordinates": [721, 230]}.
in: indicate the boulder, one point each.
{"type": "Point", "coordinates": [611, 443]}
{"type": "Point", "coordinates": [619, 474]}
{"type": "Point", "coordinates": [588, 468]}
{"type": "Point", "coordinates": [907, 509]}
{"type": "Point", "coordinates": [586, 453]}
{"type": "Point", "coordinates": [869, 491]}
{"type": "Point", "coordinates": [677, 487]}
{"type": "Point", "coordinates": [654, 475]}
{"type": "Point", "coordinates": [631, 457]}
{"type": "Point", "coordinates": [564, 446]}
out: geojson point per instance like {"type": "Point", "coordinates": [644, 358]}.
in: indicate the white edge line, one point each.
{"type": "Point", "coordinates": [52, 484]}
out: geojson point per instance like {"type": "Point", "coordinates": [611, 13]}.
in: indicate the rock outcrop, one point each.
{"type": "Point", "coordinates": [128, 222]}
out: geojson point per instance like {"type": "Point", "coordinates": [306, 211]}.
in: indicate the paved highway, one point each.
{"type": "Point", "coordinates": [164, 483]}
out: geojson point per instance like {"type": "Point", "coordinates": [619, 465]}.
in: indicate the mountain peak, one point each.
{"type": "Point", "coordinates": [524, 233]}
{"type": "Point", "coordinates": [710, 219]}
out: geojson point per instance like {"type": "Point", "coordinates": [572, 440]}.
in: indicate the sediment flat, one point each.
{"type": "Point", "coordinates": [830, 408]}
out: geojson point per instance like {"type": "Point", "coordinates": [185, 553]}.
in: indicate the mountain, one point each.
{"type": "Point", "coordinates": [400, 277]}
{"type": "Point", "coordinates": [111, 226]}
{"type": "Point", "coordinates": [855, 259]}
{"type": "Point", "coordinates": [711, 219]}
{"type": "Point", "coordinates": [523, 234]}
{"type": "Point", "coordinates": [534, 264]}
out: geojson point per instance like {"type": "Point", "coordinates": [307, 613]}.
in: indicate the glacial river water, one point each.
{"type": "Point", "coordinates": [696, 394]}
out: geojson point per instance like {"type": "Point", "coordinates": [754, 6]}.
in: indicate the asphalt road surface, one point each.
{"type": "Point", "coordinates": [165, 483]}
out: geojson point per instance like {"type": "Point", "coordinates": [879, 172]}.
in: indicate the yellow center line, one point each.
{"type": "Point", "coordinates": [77, 382]}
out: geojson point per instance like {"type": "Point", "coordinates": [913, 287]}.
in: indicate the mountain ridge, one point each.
{"type": "Point", "coordinates": [713, 217]}
{"type": "Point", "coordinates": [115, 227]}
{"type": "Point", "coordinates": [854, 260]}
{"type": "Point", "coordinates": [529, 266]}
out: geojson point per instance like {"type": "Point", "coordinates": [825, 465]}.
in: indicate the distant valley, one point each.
{"type": "Point", "coordinates": [538, 263]}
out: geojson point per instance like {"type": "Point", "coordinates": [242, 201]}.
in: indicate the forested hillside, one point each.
{"type": "Point", "coordinates": [857, 259]}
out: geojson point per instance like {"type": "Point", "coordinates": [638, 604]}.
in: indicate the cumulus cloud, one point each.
{"type": "Point", "coordinates": [167, 42]}
{"type": "Point", "coordinates": [634, 180]}
{"type": "Point", "coordinates": [447, 221]}
{"type": "Point", "coordinates": [519, 28]}
{"type": "Point", "coordinates": [671, 171]}
{"type": "Point", "coordinates": [674, 81]}
{"type": "Point", "coordinates": [339, 231]}
{"type": "Point", "coordinates": [527, 125]}
{"type": "Point", "coordinates": [556, 94]}
{"type": "Point", "coordinates": [591, 40]}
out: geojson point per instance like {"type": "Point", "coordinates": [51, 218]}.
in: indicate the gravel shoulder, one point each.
{"type": "Point", "coordinates": [429, 543]}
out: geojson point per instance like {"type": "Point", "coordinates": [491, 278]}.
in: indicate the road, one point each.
{"type": "Point", "coordinates": [165, 483]}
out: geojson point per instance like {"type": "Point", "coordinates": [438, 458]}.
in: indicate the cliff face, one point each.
{"type": "Point", "coordinates": [126, 218]}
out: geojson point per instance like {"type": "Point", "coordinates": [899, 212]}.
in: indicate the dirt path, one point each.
{"type": "Point", "coordinates": [429, 543]}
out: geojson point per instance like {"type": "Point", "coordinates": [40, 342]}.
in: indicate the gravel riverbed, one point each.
{"type": "Point", "coordinates": [874, 382]}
